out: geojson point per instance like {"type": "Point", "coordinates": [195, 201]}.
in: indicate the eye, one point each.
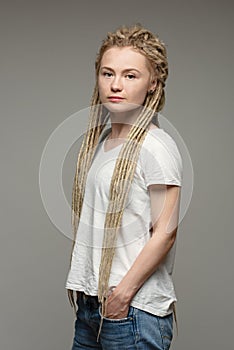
{"type": "Point", "coordinates": [107, 74]}
{"type": "Point", "coordinates": [131, 76]}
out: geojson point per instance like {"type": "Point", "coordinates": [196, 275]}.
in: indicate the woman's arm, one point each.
{"type": "Point", "coordinates": [165, 200]}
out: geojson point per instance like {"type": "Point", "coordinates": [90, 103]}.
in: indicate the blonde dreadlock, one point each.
{"type": "Point", "coordinates": [149, 45]}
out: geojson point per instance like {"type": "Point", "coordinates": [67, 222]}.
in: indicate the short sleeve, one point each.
{"type": "Point", "coordinates": [160, 160]}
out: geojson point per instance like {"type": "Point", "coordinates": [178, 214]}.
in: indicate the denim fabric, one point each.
{"type": "Point", "coordinates": [140, 330]}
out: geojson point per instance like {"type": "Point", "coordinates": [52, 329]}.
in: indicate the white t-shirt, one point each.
{"type": "Point", "coordinates": [159, 163]}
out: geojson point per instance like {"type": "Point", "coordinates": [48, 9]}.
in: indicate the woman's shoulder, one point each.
{"type": "Point", "coordinates": [160, 160]}
{"type": "Point", "coordinates": [160, 145]}
{"type": "Point", "coordinates": [157, 137]}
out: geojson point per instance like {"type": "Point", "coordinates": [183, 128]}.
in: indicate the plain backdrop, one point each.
{"type": "Point", "coordinates": [48, 50]}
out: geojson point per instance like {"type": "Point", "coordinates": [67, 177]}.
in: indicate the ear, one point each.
{"type": "Point", "coordinates": [152, 84]}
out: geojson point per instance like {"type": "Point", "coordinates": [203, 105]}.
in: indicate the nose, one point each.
{"type": "Point", "coordinates": [116, 84]}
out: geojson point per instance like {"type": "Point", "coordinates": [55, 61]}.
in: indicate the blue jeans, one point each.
{"type": "Point", "coordinates": [140, 330]}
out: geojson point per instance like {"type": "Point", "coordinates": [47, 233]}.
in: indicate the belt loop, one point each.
{"type": "Point", "coordinates": [85, 298]}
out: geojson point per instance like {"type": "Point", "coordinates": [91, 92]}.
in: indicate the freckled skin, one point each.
{"type": "Point", "coordinates": [124, 72]}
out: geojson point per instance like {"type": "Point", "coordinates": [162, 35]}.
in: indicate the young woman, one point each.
{"type": "Point", "coordinates": [125, 202]}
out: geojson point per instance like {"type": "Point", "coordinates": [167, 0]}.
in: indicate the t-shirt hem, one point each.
{"type": "Point", "coordinates": [154, 311]}
{"type": "Point", "coordinates": [153, 182]}
{"type": "Point", "coordinates": [76, 288]}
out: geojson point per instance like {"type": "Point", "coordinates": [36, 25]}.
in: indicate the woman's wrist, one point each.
{"type": "Point", "coordinates": [125, 292]}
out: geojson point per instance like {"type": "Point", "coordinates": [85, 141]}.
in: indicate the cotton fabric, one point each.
{"type": "Point", "coordinates": [159, 163]}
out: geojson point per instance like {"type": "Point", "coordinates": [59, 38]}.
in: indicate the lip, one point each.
{"type": "Point", "coordinates": [115, 98]}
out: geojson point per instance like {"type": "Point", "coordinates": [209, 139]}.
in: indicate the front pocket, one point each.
{"type": "Point", "coordinates": [128, 318]}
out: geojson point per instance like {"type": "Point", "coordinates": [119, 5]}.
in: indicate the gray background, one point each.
{"type": "Point", "coordinates": [47, 74]}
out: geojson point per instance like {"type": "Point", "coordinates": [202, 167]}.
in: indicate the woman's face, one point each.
{"type": "Point", "coordinates": [124, 78]}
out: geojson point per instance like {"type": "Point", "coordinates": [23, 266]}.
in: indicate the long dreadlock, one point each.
{"type": "Point", "coordinates": [154, 49]}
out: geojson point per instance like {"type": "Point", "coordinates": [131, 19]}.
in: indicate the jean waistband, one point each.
{"type": "Point", "coordinates": [91, 299]}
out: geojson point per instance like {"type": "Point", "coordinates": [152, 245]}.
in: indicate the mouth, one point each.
{"type": "Point", "coordinates": [115, 98]}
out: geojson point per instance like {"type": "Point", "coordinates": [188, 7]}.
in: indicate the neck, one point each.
{"type": "Point", "coordinates": [121, 122]}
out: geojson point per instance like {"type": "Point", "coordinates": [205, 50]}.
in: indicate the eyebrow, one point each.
{"type": "Point", "coordinates": [125, 70]}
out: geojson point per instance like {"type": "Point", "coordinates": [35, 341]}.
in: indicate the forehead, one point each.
{"type": "Point", "coordinates": [124, 57]}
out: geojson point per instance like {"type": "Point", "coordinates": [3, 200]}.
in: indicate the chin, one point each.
{"type": "Point", "coordinates": [120, 107]}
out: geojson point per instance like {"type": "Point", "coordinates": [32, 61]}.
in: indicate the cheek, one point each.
{"type": "Point", "coordinates": [140, 94]}
{"type": "Point", "coordinates": [102, 85]}
{"type": "Point", "coordinates": [99, 84]}
{"type": "Point", "coordinates": [100, 88]}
